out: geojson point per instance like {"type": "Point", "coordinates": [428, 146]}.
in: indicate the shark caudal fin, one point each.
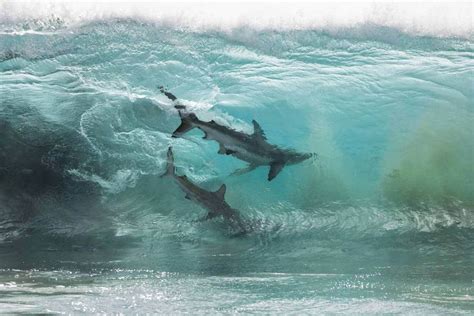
{"type": "Point", "coordinates": [187, 120]}
{"type": "Point", "coordinates": [170, 169]}
{"type": "Point", "coordinates": [173, 98]}
{"type": "Point", "coordinates": [169, 95]}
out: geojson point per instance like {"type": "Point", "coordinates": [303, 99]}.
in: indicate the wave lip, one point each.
{"type": "Point", "coordinates": [440, 19]}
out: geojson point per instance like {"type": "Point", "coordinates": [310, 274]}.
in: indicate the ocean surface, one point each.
{"type": "Point", "coordinates": [381, 222]}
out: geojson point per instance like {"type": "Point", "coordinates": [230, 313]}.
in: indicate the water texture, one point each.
{"type": "Point", "coordinates": [381, 222]}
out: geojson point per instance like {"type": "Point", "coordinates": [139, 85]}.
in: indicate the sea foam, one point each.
{"type": "Point", "coordinates": [437, 19]}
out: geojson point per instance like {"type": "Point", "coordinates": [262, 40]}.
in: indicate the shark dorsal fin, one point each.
{"type": "Point", "coordinates": [221, 192]}
{"type": "Point", "coordinates": [258, 131]}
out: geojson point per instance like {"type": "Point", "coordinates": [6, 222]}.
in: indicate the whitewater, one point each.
{"type": "Point", "coordinates": [379, 222]}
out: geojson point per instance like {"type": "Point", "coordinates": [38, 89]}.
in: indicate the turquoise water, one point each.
{"type": "Point", "coordinates": [381, 222]}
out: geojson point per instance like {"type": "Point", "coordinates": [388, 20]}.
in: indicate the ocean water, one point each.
{"type": "Point", "coordinates": [381, 222]}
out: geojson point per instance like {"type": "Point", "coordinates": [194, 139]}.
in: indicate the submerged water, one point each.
{"type": "Point", "coordinates": [381, 222]}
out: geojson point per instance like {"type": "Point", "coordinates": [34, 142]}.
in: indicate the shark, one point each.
{"type": "Point", "coordinates": [251, 148]}
{"type": "Point", "coordinates": [214, 202]}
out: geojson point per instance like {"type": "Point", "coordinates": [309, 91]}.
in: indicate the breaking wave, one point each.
{"type": "Point", "coordinates": [388, 107]}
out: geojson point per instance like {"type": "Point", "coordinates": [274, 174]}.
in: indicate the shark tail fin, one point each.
{"type": "Point", "coordinates": [169, 95]}
{"type": "Point", "coordinates": [170, 169]}
{"type": "Point", "coordinates": [187, 120]}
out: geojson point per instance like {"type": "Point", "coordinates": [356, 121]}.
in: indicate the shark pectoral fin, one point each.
{"type": "Point", "coordinates": [241, 171]}
{"type": "Point", "coordinates": [275, 168]}
{"type": "Point", "coordinates": [221, 192]}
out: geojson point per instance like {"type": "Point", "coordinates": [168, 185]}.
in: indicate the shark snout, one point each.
{"type": "Point", "coordinates": [303, 157]}
{"type": "Point", "coordinates": [297, 158]}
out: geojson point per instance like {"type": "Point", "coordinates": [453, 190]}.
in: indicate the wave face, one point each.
{"type": "Point", "coordinates": [381, 222]}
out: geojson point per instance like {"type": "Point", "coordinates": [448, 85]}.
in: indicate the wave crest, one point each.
{"type": "Point", "coordinates": [423, 19]}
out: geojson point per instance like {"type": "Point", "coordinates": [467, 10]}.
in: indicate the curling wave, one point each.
{"type": "Point", "coordinates": [84, 132]}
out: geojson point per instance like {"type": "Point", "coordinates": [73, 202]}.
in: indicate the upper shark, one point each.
{"type": "Point", "coordinates": [214, 202]}
{"type": "Point", "coordinates": [252, 148]}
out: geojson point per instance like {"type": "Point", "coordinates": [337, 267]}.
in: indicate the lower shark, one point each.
{"type": "Point", "coordinates": [252, 148]}
{"type": "Point", "coordinates": [214, 202]}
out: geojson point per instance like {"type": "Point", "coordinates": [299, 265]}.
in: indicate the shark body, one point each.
{"type": "Point", "coordinates": [214, 202]}
{"type": "Point", "coordinates": [252, 148]}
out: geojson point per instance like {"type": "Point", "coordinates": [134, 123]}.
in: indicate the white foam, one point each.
{"type": "Point", "coordinates": [121, 180]}
{"type": "Point", "coordinates": [439, 18]}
